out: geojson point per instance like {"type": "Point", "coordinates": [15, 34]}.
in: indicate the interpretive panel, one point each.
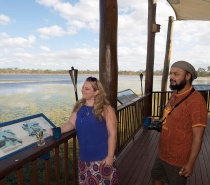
{"type": "Point", "coordinates": [202, 87]}
{"type": "Point", "coordinates": [125, 96]}
{"type": "Point", "coordinates": [17, 135]}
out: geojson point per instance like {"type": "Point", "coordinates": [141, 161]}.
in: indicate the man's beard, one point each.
{"type": "Point", "coordinates": [180, 86]}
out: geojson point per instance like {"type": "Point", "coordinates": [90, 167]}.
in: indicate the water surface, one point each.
{"type": "Point", "coordinates": [53, 95]}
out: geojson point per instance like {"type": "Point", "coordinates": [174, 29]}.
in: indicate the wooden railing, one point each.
{"type": "Point", "coordinates": [156, 100]}
{"type": "Point", "coordinates": [130, 115]}
{"type": "Point", "coordinates": [130, 118]}
{"type": "Point", "coordinates": [206, 95]}
{"type": "Point", "coordinates": [65, 146]}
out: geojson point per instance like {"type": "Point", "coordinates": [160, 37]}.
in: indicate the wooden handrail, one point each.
{"type": "Point", "coordinates": [17, 161]}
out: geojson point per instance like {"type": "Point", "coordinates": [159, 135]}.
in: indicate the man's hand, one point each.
{"type": "Point", "coordinates": [186, 170]}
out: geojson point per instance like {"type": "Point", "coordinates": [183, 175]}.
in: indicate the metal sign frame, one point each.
{"type": "Point", "coordinates": [20, 134]}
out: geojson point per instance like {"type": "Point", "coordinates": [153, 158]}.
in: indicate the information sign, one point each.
{"type": "Point", "coordinates": [125, 96]}
{"type": "Point", "coordinates": [17, 135]}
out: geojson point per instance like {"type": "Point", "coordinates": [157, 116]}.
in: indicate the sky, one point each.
{"type": "Point", "coordinates": [59, 34]}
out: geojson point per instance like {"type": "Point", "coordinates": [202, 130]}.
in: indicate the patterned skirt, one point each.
{"type": "Point", "coordinates": [94, 173]}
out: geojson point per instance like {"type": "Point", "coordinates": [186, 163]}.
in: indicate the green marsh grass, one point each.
{"type": "Point", "coordinates": [58, 110]}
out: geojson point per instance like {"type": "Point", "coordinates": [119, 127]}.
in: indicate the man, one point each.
{"type": "Point", "coordinates": [182, 129]}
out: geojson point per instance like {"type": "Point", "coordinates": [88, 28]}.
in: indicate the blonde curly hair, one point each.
{"type": "Point", "coordinates": [100, 101]}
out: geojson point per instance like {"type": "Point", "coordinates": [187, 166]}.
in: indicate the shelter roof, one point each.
{"type": "Point", "coordinates": [191, 9]}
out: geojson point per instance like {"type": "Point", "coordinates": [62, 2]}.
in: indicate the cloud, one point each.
{"type": "Point", "coordinates": [18, 42]}
{"type": "Point", "coordinates": [131, 58]}
{"type": "Point", "coordinates": [44, 48]}
{"type": "Point", "coordinates": [84, 14]}
{"type": "Point", "coordinates": [4, 35]}
{"type": "Point", "coordinates": [82, 59]}
{"type": "Point", "coordinates": [55, 60]}
{"type": "Point", "coordinates": [4, 20]}
{"type": "Point", "coordinates": [20, 50]}
{"type": "Point", "coordinates": [190, 40]}
{"type": "Point", "coordinates": [85, 11]}
{"type": "Point", "coordinates": [53, 31]}
{"type": "Point", "coordinates": [78, 24]}
{"type": "Point", "coordinates": [47, 2]}
{"type": "Point", "coordinates": [45, 37]}
{"type": "Point", "coordinates": [6, 51]}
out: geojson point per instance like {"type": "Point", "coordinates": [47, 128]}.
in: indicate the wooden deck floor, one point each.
{"type": "Point", "coordinates": [135, 162]}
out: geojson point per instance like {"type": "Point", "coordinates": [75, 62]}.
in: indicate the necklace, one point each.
{"type": "Point", "coordinates": [85, 114]}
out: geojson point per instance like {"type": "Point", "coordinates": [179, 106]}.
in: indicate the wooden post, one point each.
{"type": "Point", "coordinates": [152, 29]}
{"type": "Point", "coordinates": [166, 63]}
{"type": "Point", "coordinates": [74, 160]}
{"type": "Point", "coordinates": [108, 67]}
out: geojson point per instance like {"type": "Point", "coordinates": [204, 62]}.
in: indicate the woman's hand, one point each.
{"type": "Point", "coordinates": [51, 132]}
{"type": "Point", "coordinates": [70, 125]}
{"type": "Point", "coordinates": [108, 161]}
{"type": "Point", "coordinates": [111, 124]}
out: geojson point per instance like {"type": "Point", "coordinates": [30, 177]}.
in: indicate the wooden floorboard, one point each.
{"type": "Point", "coordinates": [136, 151]}
{"type": "Point", "coordinates": [135, 161]}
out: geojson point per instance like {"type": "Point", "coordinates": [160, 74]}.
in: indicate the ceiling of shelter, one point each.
{"type": "Point", "coordinates": [191, 9]}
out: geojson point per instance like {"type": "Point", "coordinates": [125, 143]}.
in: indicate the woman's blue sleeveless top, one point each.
{"type": "Point", "coordinates": [92, 135]}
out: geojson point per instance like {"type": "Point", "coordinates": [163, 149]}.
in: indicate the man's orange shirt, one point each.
{"type": "Point", "coordinates": [176, 135]}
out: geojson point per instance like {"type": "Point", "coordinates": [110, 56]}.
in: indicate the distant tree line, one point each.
{"type": "Point", "coordinates": [41, 71]}
{"type": "Point", "coordinates": [201, 71]}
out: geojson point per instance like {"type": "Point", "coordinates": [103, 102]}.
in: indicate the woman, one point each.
{"type": "Point", "coordinates": [95, 122]}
